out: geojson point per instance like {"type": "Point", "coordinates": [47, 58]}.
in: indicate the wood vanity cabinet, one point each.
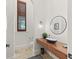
{"type": "Point", "coordinates": [56, 48]}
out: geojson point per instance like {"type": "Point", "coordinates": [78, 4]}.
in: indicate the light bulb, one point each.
{"type": "Point", "coordinates": [40, 26]}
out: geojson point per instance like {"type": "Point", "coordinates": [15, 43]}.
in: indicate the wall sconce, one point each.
{"type": "Point", "coordinates": [40, 24]}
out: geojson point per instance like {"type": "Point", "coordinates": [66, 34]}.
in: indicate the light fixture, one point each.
{"type": "Point", "coordinates": [40, 24]}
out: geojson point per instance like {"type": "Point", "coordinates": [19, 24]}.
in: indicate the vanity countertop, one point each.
{"type": "Point", "coordinates": [56, 48]}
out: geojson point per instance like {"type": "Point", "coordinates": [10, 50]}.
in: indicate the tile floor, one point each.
{"type": "Point", "coordinates": [24, 53]}
{"type": "Point", "coordinates": [45, 56]}
{"type": "Point", "coordinates": [36, 57]}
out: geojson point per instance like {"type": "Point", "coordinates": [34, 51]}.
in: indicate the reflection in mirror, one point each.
{"type": "Point", "coordinates": [58, 25]}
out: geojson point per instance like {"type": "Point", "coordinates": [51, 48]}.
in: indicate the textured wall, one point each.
{"type": "Point", "coordinates": [56, 8]}
{"type": "Point", "coordinates": [23, 38]}
{"type": "Point", "coordinates": [10, 13]}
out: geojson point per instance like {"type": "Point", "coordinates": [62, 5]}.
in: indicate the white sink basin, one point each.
{"type": "Point", "coordinates": [51, 39]}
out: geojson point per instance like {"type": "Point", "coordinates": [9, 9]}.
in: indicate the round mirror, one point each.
{"type": "Point", "coordinates": [58, 25]}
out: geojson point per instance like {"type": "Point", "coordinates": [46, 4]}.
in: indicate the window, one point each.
{"type": "Point", "coordinates": [21, 16]}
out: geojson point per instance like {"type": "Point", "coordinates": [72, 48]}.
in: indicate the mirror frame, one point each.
{"type": "Point", "coordinates": [64, 28]}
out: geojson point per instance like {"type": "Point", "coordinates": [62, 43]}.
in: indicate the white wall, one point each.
{"type": "Point", "coordinates": [10, 7]}
{"type": "Point", "coordinates": [39, 15]}
{"type": "Point", "coordinates": [63, 8]}
{"type": "Point", "coordinates": [70, 26]}
{"type": "Point", "coordinates": [24, 38]}
{"type": "Point", "coordinates": [39, 7]}
{"type": "Point", "coordinates": [56, 8]}
{"type": "Point", "coordinates": [45, 10]}
{"type": "Point", "coordinates": [14, 38]}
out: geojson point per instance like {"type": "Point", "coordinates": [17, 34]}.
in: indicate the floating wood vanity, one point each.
{"type": "Point", "coordinates": [56, 48]}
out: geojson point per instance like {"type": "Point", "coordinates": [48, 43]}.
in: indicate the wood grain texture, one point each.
{"type": "Point", "coordinates": [56, 48]}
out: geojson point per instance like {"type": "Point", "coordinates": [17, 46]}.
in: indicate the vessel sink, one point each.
{"type": "Point", "coordinates": [51, 40]}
